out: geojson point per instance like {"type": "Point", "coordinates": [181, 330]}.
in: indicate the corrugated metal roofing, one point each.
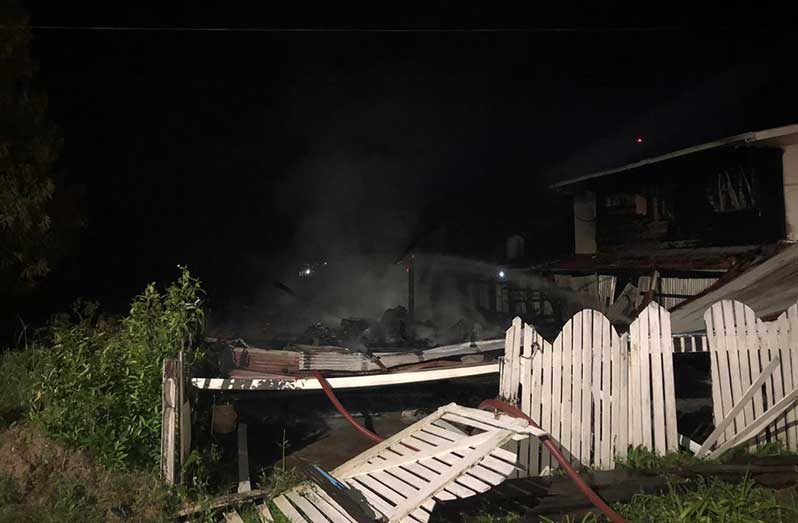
{"type": "Point", "coordinates": [769, 288]}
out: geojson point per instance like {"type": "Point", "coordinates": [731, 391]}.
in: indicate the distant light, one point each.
{"type": "Point", "coordinates": [639, 139]}
{"type": "Point", "coordinates": [307, 272]}
{"type": "Point", "coordinates": [501, 274]}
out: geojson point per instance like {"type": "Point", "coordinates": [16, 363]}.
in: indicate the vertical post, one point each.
{"type": "Point", "coordinates": [411, 291]}
{"type": "Point", "coordinates": [168, 426]}
{"type": "Point", "coordinates": [244, 484]}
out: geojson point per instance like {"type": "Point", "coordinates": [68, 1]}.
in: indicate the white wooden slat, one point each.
{"type": "Point", "coordinates": [501, 421]}
{"type": "Point", "coordinates": [773, 412]}
{"type": "Point", "coordinates": [671, 418]}
{"type": "Point", "coordinates": [556, 391]}
{"type": "Point", "coordinates": [324, 503]}
{"type": "Point", "coordinates": [754, 388]}
{"type": "Point", "coordinates": [452, 457]}
{"type": "Point", "coordinates": [609, 338]}
{"type": "Point", "coordinates": [792, 349]}
{"type": "Point", "coordinates": [394, 498]}
{"type": "Point", "coordinates": [232, 517]}
{"type": "Point", "coordinates": [621, 398]}
{"type": "Point", "coordinates": [635, 423]}
{"type": "Point", "coordinates": [497, 438]}
{"type": "Point", "coordinates": [645, 380]}
{"type": "Point", "coordinates": [526, 397]}
{"type": "Point", "coordinates": [265, 515]}
{"type": "Point", "coordinates": [426, 473]}
{"type": "Point", "coordinates": [716, 312]}
{"type": "Point", "coordinates": [778, 383]}
{"type": "Point", "coordinates": [657, 387]}
{"type": "Point", "coordinates": [783, 337]}
{"type": "Point", "coordinates": [734, 358]}
{"type": "Point", "coordinates": [305, 506]}
{"type": "Point", "coordinates": [599, 332]}
{"type": "Point", "coordinates": [288, 510]}
{"type": "Point", "coordinates": [754, 355]}
{"type": "Point", "coordinates": [535, 448]}
{"type": "Point", "coordinates": [547, 373]}
{"type": "Point", "coordinates": [515, 370]}
{"type": "Point", "coordinates": [373, 499]}
{"type": "Point", "coordinates": [566, 415]}
{"type": "Point", "coordinates": [577, 323]}
{"type": "Point", "coordinates": [747, 372]}
{"type": "Point", "coordinates": [446, 425]}
{"type": "Point", "coordinates": [586, 391]}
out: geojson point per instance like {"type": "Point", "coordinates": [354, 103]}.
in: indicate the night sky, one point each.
{"type": "Point", "coordinates": [243, 153]}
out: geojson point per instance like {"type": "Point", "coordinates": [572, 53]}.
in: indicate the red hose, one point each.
{"type": "Point", "coordinates": [488, 404]}
{"type": "Point", "coordinates": [340, 408]}
{"type": "Point", "coordinates": [589, 493]}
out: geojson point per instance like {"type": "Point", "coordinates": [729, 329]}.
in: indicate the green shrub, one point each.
{"type": "Point", "coordinates": [16, 368]}
{"type": "Point", "coordinates": [98, 384]}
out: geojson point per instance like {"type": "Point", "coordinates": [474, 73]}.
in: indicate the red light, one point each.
{"type": "Point", "coordinates": [639, 139]}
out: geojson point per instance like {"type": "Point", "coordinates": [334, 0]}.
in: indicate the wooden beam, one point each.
{"type": "Point", "coordinates": [244, 484]}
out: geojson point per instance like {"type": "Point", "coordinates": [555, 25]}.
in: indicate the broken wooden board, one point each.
{"type": "Point", "coordinates": [401, 478]}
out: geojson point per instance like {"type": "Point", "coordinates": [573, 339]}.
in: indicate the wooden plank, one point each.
{"type": "Point", "coordinates": [599, 332]}
{"type": "Point", "coordinates": [747, 367]}
{"type": "Point", "coordinates": [373, 499]}
{"type": "Point", "coordinates": [607, 341]}
{"type": "Point", "coordinates": [657, 386]}
{"type": "Point", "coordinates": [418, 476]}
{"type": "Point", "coordinates": [363, 457]}
{"type": "Point", "coordinates": [792, 349]}
{"type": "Point", "coordinates": [752, 346]}
{"type": "Point", "coordinates": [265, 514]}
{"type": "Point", "coordinates": [233, 517]}
{"type": "Point", "coordinates": [622, 397]}
{"type": "Point", "coordinates": [566, 415]}
{"type": "Point", "coordinates": [586, 391]}
{"type": "Point", "coordinates": [346, 382]}
{"type": "Point", "coordinates": [396, 359]}
{"type": "Point", "coordinates": [724, 376]}
{"type": "Point", "coordinates": [454, 455]}
{"type": "Point", "coordinates": [395, 497]}
{"type": "Point", "coordinates": [244, 484]}
{"type": "Point", "coordinates": [414, 456]}
{"type": "Point", "coordinates": [546, 401]}
{"type": "Point", "coordinates": [326, 505]}
{"type": "Point", "coordinates": [577, 354]}
{"type": "Point", "coordinates": [556, 390]}
{"type": "Point", "coordinates": [754, 388]}
{"type": "Point", "coordinates": [526, 397]}
{"type": "Point", "coordinates": [778, 383]}
{"type": "Point", "coordinates": [503, 421]}
{"type": "Point", "coordinates": [730, 336]}
{"type": "Point", "coordinates": [168, 422]}
{"type": "Point", "coordinates": [772, 413]}
{"type": "Point", "coordinates": [305, 506]}
{"type": "Point", "coordinates": [507, 364]}
{"type": "Point", "coordinates": [497, 438]}
{"type": "Point", "coordinates": [516, 362]}
{"type": "Point", "coordinates": [645, 380]}
{"type": "Point", "coordinates": [671, 418]}
{"type": "Point", "coordinates": [288, 510]}
{"type": "Point", "coordinates": [783, 327]}
{"type": "Point", "coordinates": [635, 422]}
{"type": "Point", "coordinates": [535, 448]}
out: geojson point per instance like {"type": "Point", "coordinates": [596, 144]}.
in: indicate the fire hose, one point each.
{"type": "Point", "coordinates": [511, 410]}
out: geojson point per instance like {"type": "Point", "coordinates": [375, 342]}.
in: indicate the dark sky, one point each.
{"type": "Point", "coordinates": [242, 153]}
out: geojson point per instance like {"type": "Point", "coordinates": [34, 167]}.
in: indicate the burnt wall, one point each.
{"type": "Point", "coordinates": [720, 197]}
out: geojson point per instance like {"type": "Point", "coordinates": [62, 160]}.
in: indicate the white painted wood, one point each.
{"type": "Point", "coordinates": [535, 412]}
{"type": "Point", "coordinates": [586, 390]}
{"type": "Point", "coordinates": [645, 381]}
{"type": "Point", "coordinates": [346, 382]}
{"type": "Point", "coordinates": [577, 422]}
{"type": "Point", "coordinates": [515, 366]}
{"type": "Point", "coordinates": [772, 413]}
{"type": "Point", "coordinates": [244, 484]}
{"type": "Point", "coordinates": [395, 359]}
{"type": "Point", "coordinates": [621, 399]}
{"type": "Point", "coordinates": [743, 402]}
{"type": "Point", "coordinates": [547, 464]}
{"type": "Point", "coordinates": [566, 416]}
{"type": "Point", "coordinates": [265, 514]}
{"type": "Point", "coordinates": [671, 417]}
{"type": "Point", "coordinates": [168, 422]}
{"type": "Point", "coordinates": [635, 405]}
{"type": "Point", "coordinates": [609, 338]}
{"type": "Point", "coordinates": [595, 390]}
{"type": "Point", "coordinates": [233, 517]}
{"type": "Point", "coordinates": [525, 447]}
{"type": "Point", "coordinates": [556, 391]}
{"type": "Point", "coordinates": [326, 505]}
{"type": "Point", "coordinates": [730, 336]}
{"type": "Point", "coordinates": [288, 510]}
{"type": "Point", "coordinates": [657, 386]}
{"type": "Point", "coordinates": [305, 506]}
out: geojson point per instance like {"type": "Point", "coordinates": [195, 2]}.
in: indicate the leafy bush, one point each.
{"type": "Point", "coordinates": [16, 367]}
{"type": "Point", "coordinates": [98, 384]}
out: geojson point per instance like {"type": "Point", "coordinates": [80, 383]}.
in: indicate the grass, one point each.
{"type": "Point", "coordinates": [712, 500]}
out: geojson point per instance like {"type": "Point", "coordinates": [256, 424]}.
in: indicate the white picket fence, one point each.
{"type": "Point", "coordinates": [594, 391]}
{"type": "Point", "coordinates": [754, 377]}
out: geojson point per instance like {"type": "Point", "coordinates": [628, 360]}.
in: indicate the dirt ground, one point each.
{"type": "Point", "coordinates": [41, 480]}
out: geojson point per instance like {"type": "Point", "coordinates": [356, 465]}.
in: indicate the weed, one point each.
{"type": "Point", "coordinates": [639, 458]}
{"type": "Point", "coordinates": [16, 367]}
{"type": "Point", "coordinates": [713, 500]}
{"type": "Point", "coordinates": [98, 384]}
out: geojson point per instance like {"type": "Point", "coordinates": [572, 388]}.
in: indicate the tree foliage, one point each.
{"type": "Point", "coordinates": [29, 149]}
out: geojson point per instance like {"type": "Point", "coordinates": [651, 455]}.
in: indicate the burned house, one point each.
{"type": "Point", "coordinates": [700, 221]}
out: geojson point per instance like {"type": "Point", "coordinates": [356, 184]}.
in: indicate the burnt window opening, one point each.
{"type": "Point", "coordinates": [733, 189]}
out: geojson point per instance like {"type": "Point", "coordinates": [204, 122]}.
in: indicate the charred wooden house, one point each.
{"type": "Point", "coordinates": [710, 221]}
